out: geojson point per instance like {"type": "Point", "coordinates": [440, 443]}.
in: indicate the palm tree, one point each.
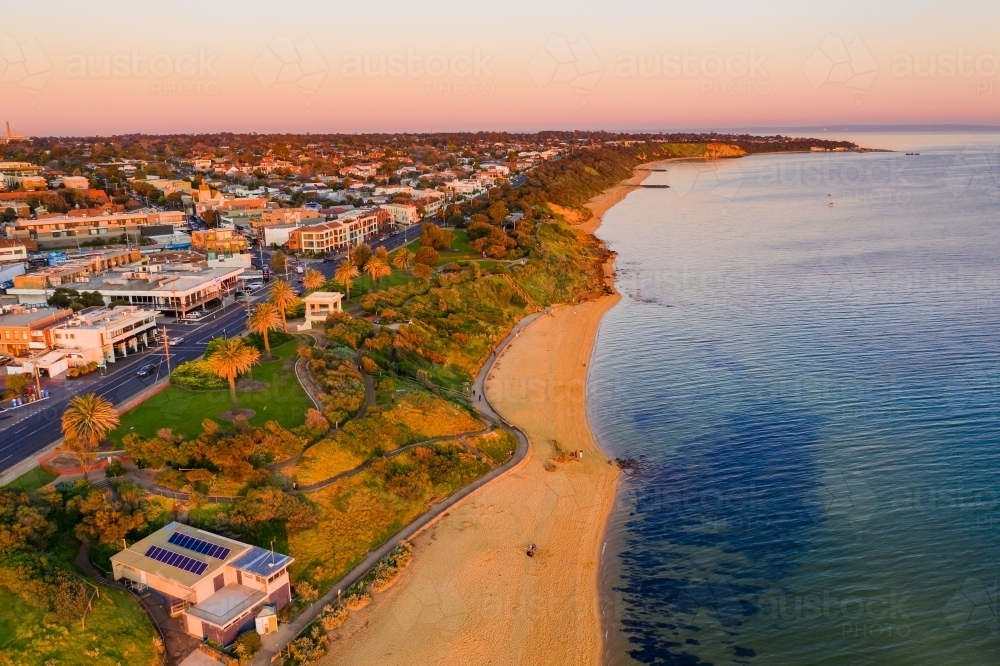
{"type": "Point", "coordinates": [283, 297]}
{"type": "Point", "coordinates": [265, 318]}
{"type": "Point", "coordinates": [377, 269]}
{"type": "Point", "coordinates": [313, 279]}
{"type": "Point", "coordinates": [403, 259]}
{"type": "Point", "coordinates": [345, 273]}
{"type": "Point", "coordinates": [87, 420]}
{"type": "Point", "coordinates": [231, 360]}
{"type": "Point", "coordinates": [382, 254]}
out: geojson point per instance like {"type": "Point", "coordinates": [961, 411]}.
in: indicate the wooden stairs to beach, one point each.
{"type": "Point", "coordinates": [521, 292]}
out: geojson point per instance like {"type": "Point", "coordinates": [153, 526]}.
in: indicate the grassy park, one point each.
{"type": "Point", "coordinates": [284, 400]}
{"type": "Point", "coordinates": [117, 632]}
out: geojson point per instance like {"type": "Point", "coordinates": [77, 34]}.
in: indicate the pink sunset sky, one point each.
{"type": "Point", "coordinates": [115, 67]}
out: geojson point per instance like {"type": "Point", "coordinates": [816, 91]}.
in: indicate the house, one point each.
{"type": "Point", "coordinates": [218, 584]}
{"type": "Point", "coordinates": [403, 213]}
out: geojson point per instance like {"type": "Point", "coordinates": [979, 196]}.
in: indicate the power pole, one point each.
{"type": "Point", "coordinates": [166, 349]}
{"type": "Point", "coordinates": [38, 379]}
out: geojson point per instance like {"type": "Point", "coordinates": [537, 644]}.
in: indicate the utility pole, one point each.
{"type": "Point", "coordinates": [38, 379]}
{"type": "Point", "coordinates": [166, 349]}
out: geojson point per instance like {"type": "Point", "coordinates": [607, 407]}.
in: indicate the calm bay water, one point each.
{"type": "Point", "coordinates": [813, 392]}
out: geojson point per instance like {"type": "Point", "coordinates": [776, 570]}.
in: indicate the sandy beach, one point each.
{"type": "Point", "coordinates": [472, 595]}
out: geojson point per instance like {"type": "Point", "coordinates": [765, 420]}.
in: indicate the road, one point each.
{"type": "Point", "coordinates": [26, 431]}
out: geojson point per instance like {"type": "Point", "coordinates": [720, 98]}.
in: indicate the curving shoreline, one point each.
{"type": "Point", "coordinates": [472, 595]}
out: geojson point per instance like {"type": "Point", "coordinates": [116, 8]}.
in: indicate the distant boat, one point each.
{"type": "Point", "coordinates": [831, 204]}
{"type": "Point", "coordinates": [912, 153]}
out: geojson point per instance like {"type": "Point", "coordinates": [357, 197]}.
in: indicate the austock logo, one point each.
{"type": "Point", "coordinates": [561, 62]}
{"type": "Point", "coordinates": [285, 61]}
{"type": "Point", "coordinates": [837, 62]}
{"type": "Point", "coordinates": [24, 63]}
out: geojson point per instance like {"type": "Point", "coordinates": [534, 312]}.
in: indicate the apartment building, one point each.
{"type": "Point", "coordinates": [350, 229]}
{"type": "Point", "coordinates": [403, 213]}
{"type": "Point", "coordinates": [12, 251]}
{"type": "Point", "coordinates": [218, 584]}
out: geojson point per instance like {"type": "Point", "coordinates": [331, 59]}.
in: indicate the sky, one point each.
{"type": "Point", "coordinates": [106, 67]}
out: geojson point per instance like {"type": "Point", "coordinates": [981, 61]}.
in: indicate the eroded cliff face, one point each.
{"type": "Point", "coordinates": [723, 150]}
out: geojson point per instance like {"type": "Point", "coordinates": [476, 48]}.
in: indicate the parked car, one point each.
{"type": "Point", "coordinates": [241, 296]}
{"type": "Point", "coordinates": [4, 360]}
{"type": "Point", "coordinates": [254, 286]}
{"type": "Point", "coordinates": [146, 370]}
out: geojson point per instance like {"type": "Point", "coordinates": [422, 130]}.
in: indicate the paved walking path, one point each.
{"type": "Point", "coordinates": [274, 643]}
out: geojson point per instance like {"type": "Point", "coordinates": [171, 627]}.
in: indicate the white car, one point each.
{"type": "Point", "coordinates": [254, 286]}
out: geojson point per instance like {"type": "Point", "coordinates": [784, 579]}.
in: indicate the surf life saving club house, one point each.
{"type": "Point", "coordinates": [221, 584]}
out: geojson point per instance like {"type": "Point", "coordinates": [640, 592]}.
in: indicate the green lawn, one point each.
{"type": "Point", "coordinates": [284, 400]}
{"type": "Point", "coordinates": [32, 480]}
{"type": "Point", "coordinates": [118, 632]}
{"type": "Point", "coordinates": [458, 251]}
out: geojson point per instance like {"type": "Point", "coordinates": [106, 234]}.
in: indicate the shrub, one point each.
{"type": "Point", "coordinates": [275, 337]}
{"type": "Point", "coordinates": [115, 469]}
{"type": "Point", "coordinates": [333, 616]}
{"type": "Point", "coordinates": [247, 645]}
{"type": "Point", "coordinates": [357, 598]}
{"type": "Point", "coordinates": [197, 376]}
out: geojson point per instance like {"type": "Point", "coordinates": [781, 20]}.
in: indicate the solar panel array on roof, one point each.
{"type": "Point", "coordinates": [182, 562]}
{"type": "Point", "coordinates": [199, 546]}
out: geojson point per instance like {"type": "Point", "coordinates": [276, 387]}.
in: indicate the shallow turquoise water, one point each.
{"type": "Point", "coordinates": [813, 393]}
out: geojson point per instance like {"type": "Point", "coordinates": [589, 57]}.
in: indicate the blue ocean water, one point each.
{"type": "Point", "coordinates": [813, 393]}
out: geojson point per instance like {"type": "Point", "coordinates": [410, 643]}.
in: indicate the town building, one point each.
{"type": "Point", "coordinates": [218, 584]}
{"type": "Point", "coordinates": [403, 213]}
{"type": "Point", "coordinates": [14, 173]}
{"type": "Point", "coordinates": [26, 330]}
{"type": "Point", "coordinates": [222, 247]}
{"type": "Point", "coordinates": [77, 269]}
{"type": "Point", "coordinates": [75, 182]}
{"type": "Point", "coordinates": [105, 334]}
{"type": "Point", "coordinates": [70, 229]}
{"type": "Point", "coordinates": [153, 286]}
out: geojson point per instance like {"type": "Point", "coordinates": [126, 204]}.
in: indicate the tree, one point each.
{"type": "Point", "coordinates": [283, 297]}
{"type": "Point", "coordinates": [377, 269]}
{"type": "Point", "coordinates": [85, 423]}
{"type": "Point", "coordinates": [423, 271]}
{"type": "Point", "coordinates": [313, 279]}
{"type": "Point", "coordinates": [18, 384]}
{"type": "Point", "coordinates": [382, 254]}
{"type": "Point", "coordinates": [427, 255]}
{"type": "Point", "coordinates": [345, 274]}
{"type": "Point", "coordinates": [403, 259]}
{"type": "Point", "coordinates": [264, 318]}
{"type": "Point", "coordinates": [436, 237]}
{"type": "Point", "coordinates": [231, 360]}
{"type": "Point", "coordinates": [279, 262]}
{"type": "Point", "coordinates": [361, 254]}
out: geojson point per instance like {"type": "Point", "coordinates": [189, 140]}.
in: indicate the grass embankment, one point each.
{"type": "Point", "coordinates": [32, 480]}
{"type": "Point", "coordinates": [498, 445]}
{"type": "Point", "coordinates": [360, 513]}
{"type": "Point", "coordinates": [117, 632]}
{"type": "Point", "coordinates": [416, 416]}
{"type": "Point", "coordinates": [284, 400]}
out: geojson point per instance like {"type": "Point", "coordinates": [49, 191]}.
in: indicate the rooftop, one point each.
{"type": "Point", "coordinates": [261, 561]}
{"type": "Point", "coordinates": [226, 604]}
{"type": "Point", "coordinates": [135, 555]}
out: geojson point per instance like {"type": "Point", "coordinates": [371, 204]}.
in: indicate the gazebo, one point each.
{"type": "Point", "coordinates": [319, 306]}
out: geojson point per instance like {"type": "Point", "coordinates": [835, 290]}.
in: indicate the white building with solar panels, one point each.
{"type": "Point", "coordinates": [218, 584]}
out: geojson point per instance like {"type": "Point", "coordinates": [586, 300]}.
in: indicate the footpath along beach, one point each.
{"type": "Point", "coordinates": [472, 595]}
